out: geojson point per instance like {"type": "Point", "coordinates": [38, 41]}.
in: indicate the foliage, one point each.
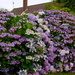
{"type": "Point", "coordinates": [68, 3]}
{"type": "Point", "coordinates": [61, 1]}
{"type": "Point", "coordinates": [53, 5]}
{"type": "Point", "coordinates": [58, 6]}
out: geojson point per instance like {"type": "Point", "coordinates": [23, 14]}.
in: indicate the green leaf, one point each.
{"type": "Point", "coordinates": [19, 57]}
{"type": "Point", "coordinates": [28, 26]}
{"type": "Point", "coordinates": [0, 40]}
{"type": "Point", "coordinates": [5, 55]}
{"type": "Point", "coordinates": [22, 60]}
{"type": "Point", "coordinates": [28, 61]}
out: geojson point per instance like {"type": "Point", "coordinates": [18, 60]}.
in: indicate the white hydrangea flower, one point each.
{"type": "Point", "coordinates": [46, 22]}
{"type": "Point", "coordinates": [29, 31]}
{"type": "Point", "coordinates": [41, 43]}
{"type": "Point", "coordinates": [38, 68]}
{"type": "Point", "coordinates": [23, 13]}
{"type": "Point", "coordinates": [36, 58]}
{"type": "Point", "coordinates": [67, 68]}
{"type": "Point", "coordinates": [38, 34]}
{"type": "Point", "coordinates": [62, 52]}
{"type": "Point", "coordinates": [35, 69]}
{"type": "Point", "coordinates": [22, 72]}
{"type": "Point", "coordinates": [48, 31]}
{"type": "Point", "coordinates": [41, 13]}
{"type": "Point", "coordinates": [30, 40]}
{"type": "Point", "coordinates": [67, 52]}
{"type": "Point", "coordinates": [37, 17]}
{"type": "Point", "coordinates": [62, 59]}
{"type": "Point", "coordinates": [45, 57]}
{"type": "Point", "coordinates": [46, 28]}
{"type": "Point", "coordinates": [61, 67]}
{"type": "Point", "coordinates": [32, 49]}
{"type": "Point", "coordinates": [29, 57]}
{"type": "Point", "coordinates": [2, 9]}
{"type": "Point", "coordinates": [71, 64]}
{"type": "Point", "coordinates": [58, 70]}
{"type": "Point", "coordinates": [52, 69]}
{"type": "Point", "coordinates": [33, 23]}
{"type": "Point", "coordinates": [40, 21]}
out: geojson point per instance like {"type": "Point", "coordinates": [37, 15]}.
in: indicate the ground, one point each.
{"type": "Point", "coordinates": [67, 73]}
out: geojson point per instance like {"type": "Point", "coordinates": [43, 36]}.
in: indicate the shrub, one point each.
{"type": "Point", "coordinates": [61, 1]}
{"type": "Point", "coordinates": [38, 44]}
{"type": "Point", "coordinates": [65, 9]}
{"type": "Point", "coordinates": [59, 6]}
{"type": "Point", "coordinates": [68, 3]}
{"type": "Point", "coordinates": [53, 5]}
{"type": "Point", "coordinates": [21, 47]}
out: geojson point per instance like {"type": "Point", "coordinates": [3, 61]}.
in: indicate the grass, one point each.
{"type": "Point", "coordinates": [67, 73]}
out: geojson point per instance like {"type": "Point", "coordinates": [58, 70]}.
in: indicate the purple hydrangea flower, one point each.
{"type": "Point", "coordinates": [32, 17]}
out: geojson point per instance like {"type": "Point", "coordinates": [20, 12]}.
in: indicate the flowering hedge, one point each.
{"type": "Point", "coordinates": [37, 43]}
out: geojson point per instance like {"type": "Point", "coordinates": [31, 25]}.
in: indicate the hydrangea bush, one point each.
{"type": "Point", "coordinates": [20, 47]}
{"type": "Point", "coordinates": [37, 43]}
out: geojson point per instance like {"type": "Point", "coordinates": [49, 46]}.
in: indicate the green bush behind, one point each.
{"type": "Point", "coordinates": [59, 5]}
